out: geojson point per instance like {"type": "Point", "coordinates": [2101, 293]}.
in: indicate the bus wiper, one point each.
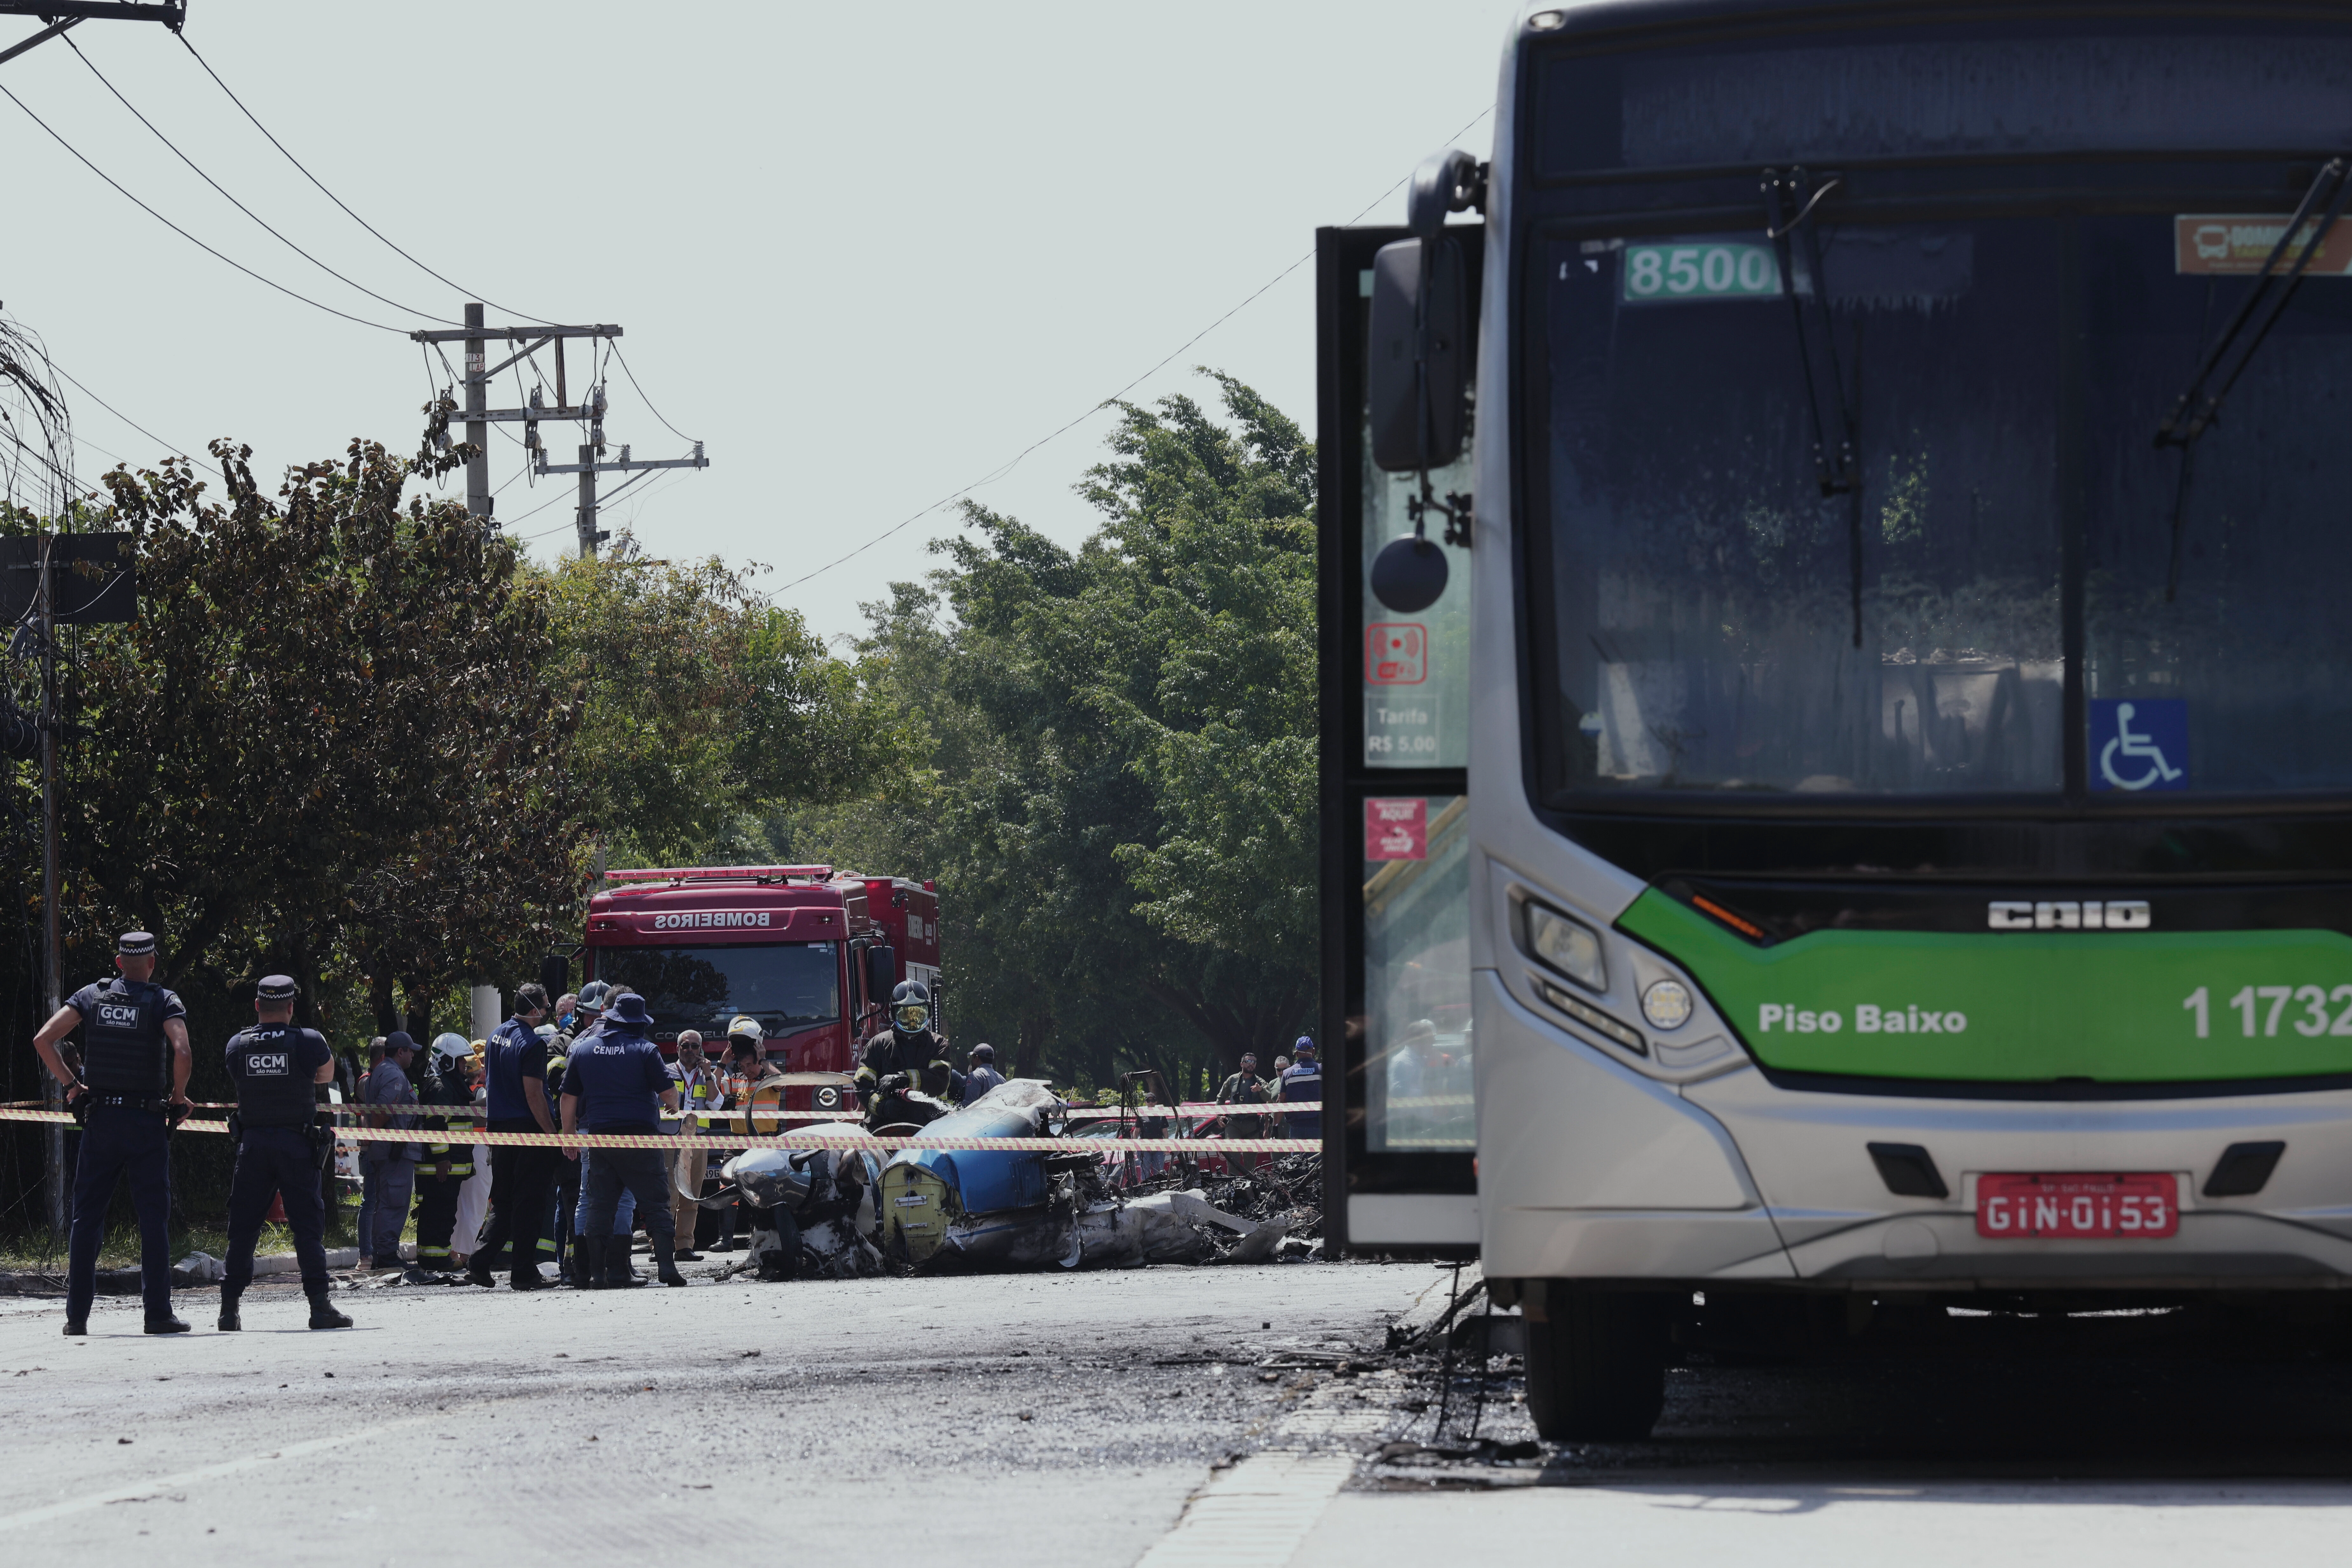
{"type": "Point", "coordinates": [1844, 476]}
{"type": "Point", "coordinates": [2199, 408]}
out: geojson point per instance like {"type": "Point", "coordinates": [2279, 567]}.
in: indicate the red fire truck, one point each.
{"type": "Point", "coordinates": [810, 953]}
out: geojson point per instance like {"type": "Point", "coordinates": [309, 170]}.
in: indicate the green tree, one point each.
{"type": "Point", "coordinates": [702, 705]}
{"type": "Point", "coordinates": [1120, 805]}
{"type": "Point", "coordinates": [326, 732]}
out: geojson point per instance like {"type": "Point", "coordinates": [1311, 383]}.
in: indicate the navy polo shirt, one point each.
{"type": "Point", "coordinates": [618, 1075]}
{"type": "Point", "coordinates": [516, 1052]}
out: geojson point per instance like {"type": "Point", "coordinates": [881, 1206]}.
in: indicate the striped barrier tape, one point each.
{"type": "Point", "coordinates": [666, 1142]}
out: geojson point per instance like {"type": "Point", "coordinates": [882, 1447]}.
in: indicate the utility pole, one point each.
{"type": "Point", "coordinates": [588, 468]}
{"type": "Point", "coordinates": [52, 956]}
{"type": "Point", "coordinates": [478, 337]}
{"type": "Point", "coordinates": [478, 429]}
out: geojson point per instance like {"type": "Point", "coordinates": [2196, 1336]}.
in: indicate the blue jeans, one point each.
{"type": "Point", "coordinates": [625, 1213]}
{"type": "Point", "coordinates": [120, 1141]}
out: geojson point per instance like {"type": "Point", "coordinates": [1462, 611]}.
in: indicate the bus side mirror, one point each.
{"type": "Point", "coordinates": [881, 975]}
{"type": "Point", "coordinates": [1410, 432]}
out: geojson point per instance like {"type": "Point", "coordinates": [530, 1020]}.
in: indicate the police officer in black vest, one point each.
{"type": "Point", "coordinates": [132, 1090]}
{"type": "Point", "coordinates": [280, 1146]}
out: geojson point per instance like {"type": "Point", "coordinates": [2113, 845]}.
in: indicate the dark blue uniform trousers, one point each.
{"type": "Point", "coordinates": [276, 1161]}
{"type": "Point", "coordinates": [120, 1141]}
{"type": "Point", "coordinates": [604, 1171]}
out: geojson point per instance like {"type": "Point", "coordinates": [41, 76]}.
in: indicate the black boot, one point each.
{"type": "Point", "coordinates": [167, 1324]}
{"type": "Point", "coordinates": [618, 1275]}
{"type": "Point", "coordinates": [76, 1327]}
{"type": "Point", "coordinates": [478, 1273]}
{"type": "Point", "coordinates": [665, 1264]}
{"type": "Point", "coordinates": [588, 1251]}
{"type": "Point", "coordinates": [323, 1314]}
{"type": "Point", "coordinates": [229, 1322]}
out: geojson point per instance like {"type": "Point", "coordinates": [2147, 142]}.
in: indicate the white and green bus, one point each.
{"type": "Point", "coordinates": [1838, 675]}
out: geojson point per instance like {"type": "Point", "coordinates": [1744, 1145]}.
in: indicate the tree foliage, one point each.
{"type": "Point", "coordinates": [1121, 805]}
{"type": "Point", "coordinates": [327, 733]}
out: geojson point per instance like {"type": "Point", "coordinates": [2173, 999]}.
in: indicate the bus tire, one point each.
{"type": "Point", "coordinates": [1596, 1365]}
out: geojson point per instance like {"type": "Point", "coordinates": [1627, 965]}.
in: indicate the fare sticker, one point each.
{"type": "Point", "coordinates": [1396, 829]}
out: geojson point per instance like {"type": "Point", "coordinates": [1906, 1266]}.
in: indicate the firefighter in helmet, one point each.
{"type": "Point", "coordinates": [907, 1056]}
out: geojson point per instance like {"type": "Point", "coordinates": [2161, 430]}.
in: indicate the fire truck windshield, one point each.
{"type": "Point", "coordinates": [788, 986]}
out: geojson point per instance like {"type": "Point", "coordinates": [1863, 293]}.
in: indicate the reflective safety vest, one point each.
{"type": "Point", "coordinates": [123, 1049]}
{"type": "Point", "coordinates": [272, 1089]}
{"type": "Point", "coordinates": [770, 1095]}
{"type": "Point", "coordinates": [698, 1093]}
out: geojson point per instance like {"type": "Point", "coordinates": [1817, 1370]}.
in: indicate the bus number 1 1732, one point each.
{"type": "Point", "coordinates": [2305, 1008]}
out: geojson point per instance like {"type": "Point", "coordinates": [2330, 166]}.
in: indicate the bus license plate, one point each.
{"type": "Point", "coordinates": [2076, 1208]}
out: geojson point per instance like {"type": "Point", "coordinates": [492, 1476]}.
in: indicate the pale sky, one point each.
{"type": "Point", "coordinates": [866, 253]}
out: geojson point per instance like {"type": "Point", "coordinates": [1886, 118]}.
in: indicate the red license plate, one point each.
{"type": "Point", "coordinates": [2079, 1206]}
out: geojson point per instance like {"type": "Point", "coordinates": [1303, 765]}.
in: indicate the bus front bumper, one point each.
{"type": "Point", "coordinates": [1590, 1169]}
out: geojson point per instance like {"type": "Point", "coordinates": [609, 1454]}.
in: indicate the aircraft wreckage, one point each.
{"type": "Point", "coordinates": [845, 1213]}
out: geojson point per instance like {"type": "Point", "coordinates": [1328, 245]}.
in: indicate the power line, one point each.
{"type": "Point", "coordinates": [182, 233]}
{"type": "Point", "coordinates": [110, 408]}
{"type": "Point", "coordinates": [239, 205]}
{"type": "Point", "coordinates": [1007, 467]}
{"type": "Point", "coordinates": [641, 393]}
{"type": "Point", "coordinates": [257, 125]}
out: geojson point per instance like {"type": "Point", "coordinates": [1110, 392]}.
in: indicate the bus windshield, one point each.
{"type": "Point", "coordinates": [786, 987]}
{"type": "Point", "coordinates": [1700, 583]}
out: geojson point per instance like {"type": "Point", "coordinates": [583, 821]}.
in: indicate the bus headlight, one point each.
{"type": "Point", "coordinates": [1558, 941]}
{"type": "Point", "coordinates": [1667, 1005]}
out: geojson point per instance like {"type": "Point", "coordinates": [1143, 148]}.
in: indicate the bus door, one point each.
{"type": "Point", "coordinates": [1400, 1156]}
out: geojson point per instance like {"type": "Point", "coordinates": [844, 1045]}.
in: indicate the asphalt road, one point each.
{"type": "Point", "coordinates": [2148, 1440]}
{"type": "Point", "coordinates": [1011, 1419]}
{"type": "Point", "coordinates": [1112, 1418]}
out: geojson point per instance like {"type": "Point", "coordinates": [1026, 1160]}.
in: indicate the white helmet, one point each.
{"type": "Point", "coordinates": [451, 1047]}
{"type": "Point", "coordinates": [745, 1027]}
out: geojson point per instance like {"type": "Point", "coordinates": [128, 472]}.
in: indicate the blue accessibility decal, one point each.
{"type": "Point", "coordinates": [2138, 743]}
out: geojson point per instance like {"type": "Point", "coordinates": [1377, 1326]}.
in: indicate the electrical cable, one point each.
{"type": "Point", "coordinates": [182, 233]}
{"type": "Point", "coordinates": [239, 205]}
{"type": "Point", "coordinates": [641, 393]}
{"type": "Point", "coordinates": [110, 408]}
{"type": "Point", "coordinates": [1014, 462]}
{"type": "Point", "coordinates": [257, 125]}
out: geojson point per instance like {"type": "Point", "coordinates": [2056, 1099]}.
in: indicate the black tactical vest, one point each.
{"type": "Point", "coordinates": [272, 1089]}
{"type": "Point", "coordinates": [123, 1049]}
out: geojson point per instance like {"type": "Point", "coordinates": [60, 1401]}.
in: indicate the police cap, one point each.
{"type": "Point", "coordinates": [277, 988]}
{"type": "Point", "coordinates": [135, 944]}
{"type": "Point", "coordinates": [398, 1040]}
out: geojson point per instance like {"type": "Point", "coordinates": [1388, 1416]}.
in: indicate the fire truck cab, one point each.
{"type": "Point", "coordinates": [810, 953]}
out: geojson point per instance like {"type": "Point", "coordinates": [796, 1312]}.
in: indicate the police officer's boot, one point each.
{"type": "Point", "coordinates": [588, 1262]}
{"type": "Point", "coordinates": [229, 1322]}
{"type": "Point", "coordinates": [666, 1261]}
{"type": "Point", "coordinates": [168, 1323]}
{"type": "Point", "coordinates": [618, 1273]}
{"type": "Point", "coordinates": [323, 1314]}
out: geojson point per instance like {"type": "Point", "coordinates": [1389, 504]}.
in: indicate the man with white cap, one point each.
{"type": "Point", "coordinates": [132, 1091]}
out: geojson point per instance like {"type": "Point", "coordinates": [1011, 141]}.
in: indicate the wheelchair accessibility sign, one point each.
{"type": "Point", "coordinates": [2140, 743]}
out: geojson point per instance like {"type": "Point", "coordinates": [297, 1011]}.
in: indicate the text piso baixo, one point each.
{"type": "Point", "coordinates": [1909, 1019]}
